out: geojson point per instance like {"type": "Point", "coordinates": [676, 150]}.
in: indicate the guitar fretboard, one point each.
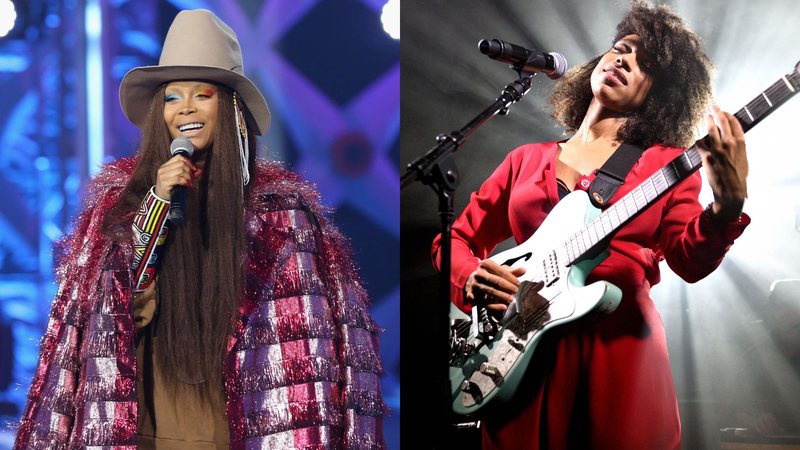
{"type": "Point", "coordinates": [603, 227]}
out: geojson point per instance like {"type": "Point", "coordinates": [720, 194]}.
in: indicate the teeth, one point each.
{"type": "Point", "coordinates": [190, 126]}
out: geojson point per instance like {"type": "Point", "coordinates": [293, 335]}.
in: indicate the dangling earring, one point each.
{"type": "Point", "coordinates": [244, 149]}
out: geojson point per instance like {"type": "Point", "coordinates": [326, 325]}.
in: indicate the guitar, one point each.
{"type": "Point", "coordinates": [488, 357]}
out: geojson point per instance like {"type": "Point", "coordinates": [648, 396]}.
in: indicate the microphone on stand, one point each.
{"type": "Point", "coordinates": [180, 146]}
{"type": "Point", "coordinates": [554, 65]}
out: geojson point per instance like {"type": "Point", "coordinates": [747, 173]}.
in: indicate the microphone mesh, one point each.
{"type": "Point", "coordinates": [561, 66]}
{"type": "Point", "coordinates": [181, 144]}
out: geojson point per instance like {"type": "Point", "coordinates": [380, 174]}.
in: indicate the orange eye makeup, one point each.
{"type": "Point", "coordinates": [208, 92]}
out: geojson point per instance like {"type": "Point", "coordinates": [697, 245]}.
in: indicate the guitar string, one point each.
{"type": "Point", "coordinates": [779, 87]}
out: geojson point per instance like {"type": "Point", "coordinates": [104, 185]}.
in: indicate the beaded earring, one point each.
{"type": "Point", "coordinates": [244, 149]}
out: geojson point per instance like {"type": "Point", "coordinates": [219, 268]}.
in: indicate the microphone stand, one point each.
{"type": "Point", "coordinates": [437, 169]}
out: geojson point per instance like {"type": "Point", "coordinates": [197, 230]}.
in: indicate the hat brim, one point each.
{"type": "Point", "coordinates": [137, 88]}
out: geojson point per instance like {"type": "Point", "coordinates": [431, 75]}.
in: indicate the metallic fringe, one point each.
{"type": "Point", "coordinates": [303, 238]}
{"type": "Point", "coordinates": [363, 432]}
{"type": "Point", "coordinates": [290, 240]}
{"type": "Point", "coordinates": [282, 329]}
{"type": "Point", "coordinates": [360, 350]}
{"type": "Point", "coordinates": [116, 288]}
{"type": "Point", "coordinates": [271, 202]}
{"type": "Point", "coordinates": [110, 447]}
{"type": "Point", "coordinates": [365, 442]}
{"type": "Point", "coordinates": [312, 305]}
{"type": "Point", "coordinates": [107, 322]}
{"type": "Point", "coordinates": [355, 310]}
{"type": "Point", "coordinates": [282, 221]}
{"type": "Point", "coordinates": [63, 348]}
{"type": "Point", "coordinates": [365, 402]}
{"type": "Point", "coordinates": [292, 283]}
{"type": "Point", "coordinates": [264, 400]}
{"type": "Point", "coordinates": [359, 318]}
{"type": "Point", "coordinates": [103, 344]}
{"type": "Point", "coordinates": [363, 359]}
{"type": "Point", "coordinates": [69, 309]}
{"type": "Point", "coordinates": [316, 438]}
{"type": "Point", "coordinates": [97, 389]}
{"type": "Point", "coordinates": [102, 432]}
{"type": "Point", "coordinates": [45, 439]}
{"type": "Point", "coordinates": [294, 415]}
{"type": "Point", "coordinates": [57, 393]}
{"type": "Point", "coordinates": [287, 372]}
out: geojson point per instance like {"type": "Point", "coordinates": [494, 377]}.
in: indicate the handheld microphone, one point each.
{"type": "Point", "coordinates": [180, 146]}
{"type": "Point", "coordinates": [554, 65]}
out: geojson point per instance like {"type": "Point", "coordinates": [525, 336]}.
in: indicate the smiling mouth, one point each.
{"type": "Point", "coordinates": [190, 127]}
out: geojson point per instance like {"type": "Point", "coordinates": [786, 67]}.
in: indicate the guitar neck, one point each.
{"type": "Point", "coordinates": [769, 100]}
{"type": "Point", "coordinates": [599, 231]}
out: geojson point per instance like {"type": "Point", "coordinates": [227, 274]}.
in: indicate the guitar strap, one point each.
{"type": "Point", "coordinates": [613, 173]}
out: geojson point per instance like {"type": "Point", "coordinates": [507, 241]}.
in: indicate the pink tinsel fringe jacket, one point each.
{"type": "Point", "coordinates": [302, 371]}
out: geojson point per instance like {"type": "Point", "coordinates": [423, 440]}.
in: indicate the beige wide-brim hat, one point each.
{"type": "Point", "coordinates": [198, 46]}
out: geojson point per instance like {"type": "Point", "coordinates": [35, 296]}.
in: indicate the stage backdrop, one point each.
{"type": "Point", "coordinates": [718, 342]}
{"type": "Point", "coordinates": [330, 75]}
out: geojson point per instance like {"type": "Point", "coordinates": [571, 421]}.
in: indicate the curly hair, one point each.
{"type": "Point", "coordinates": [681, 73]}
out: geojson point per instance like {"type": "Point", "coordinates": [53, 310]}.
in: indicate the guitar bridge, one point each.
{"type": "Point", "coordinates": [532, 311]}
{"type": "Point", "coordinates": [487, 325]}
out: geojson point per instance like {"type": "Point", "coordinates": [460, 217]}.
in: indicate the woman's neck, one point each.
{"type": "Point", "coordinates": [599, 125]}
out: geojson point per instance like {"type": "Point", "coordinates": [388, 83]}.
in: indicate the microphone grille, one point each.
{"type": "Point", "coordinates": [490, 48]}
{"type": "Point", "coordinates": [181, 145]}
{"type": "Point", "coordinates": [561, 66]}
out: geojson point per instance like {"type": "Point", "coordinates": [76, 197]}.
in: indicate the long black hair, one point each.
{"type": "Point", "coordinates": [200, 273]}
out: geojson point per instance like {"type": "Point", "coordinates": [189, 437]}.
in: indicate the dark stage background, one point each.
{"type": "Point", "coordinates": [330, 75]}
{"type": "Point", "coordinates": [719, 335]}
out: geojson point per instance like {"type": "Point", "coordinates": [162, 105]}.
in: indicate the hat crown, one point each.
{"type": "Point", "coordinates": [199, 38]}
{"type": "Point", "coordinates": [198, 46]}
